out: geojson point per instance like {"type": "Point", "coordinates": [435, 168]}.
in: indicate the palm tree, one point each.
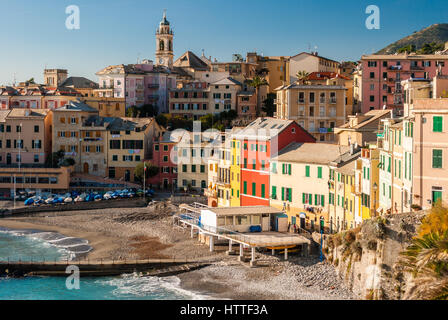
{"type": "Point", "coordinates": [427, 259]}
{"type": "Point", "coordinates": [256, 83]}
{"type": "Point", "coordinates": [302, 77]}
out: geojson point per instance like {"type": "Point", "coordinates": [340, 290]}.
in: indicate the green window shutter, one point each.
{"type": "Point", "coordinates": [307, 171]}
{"type": "Point", "coordinates": [322, 201]}
{"type": "Point", "coordinates": [339, 200]}
{"type": "Point", "coordinates": [290, 194]}
{"type": "Point", "coordinates": [254, 189]}
{"type": "Point", "coordinates": [245, 163]}
{"type": "Point", "coordinates": [412, 130]}
{"type": "Point", "coordinates": [245, 187]}
{"type": "Point", "coordinates": [319, 172]}
{"type": "Point", "coordinates": [399, 169]}
{"type": "Point", "coordinates": [310, 197]}
{"type": "Point", "coordinates": [390, 162]}
{"type": "Point", "coordinates": [262, 165]}
{"type": "Point", "coordinates": [232, 189]}
{"type": "Point", "coordinates": [289, 169]}
{"type": "Point", "coordinates": [237, 193]}
{"type": "Point", "coordinates": [437, 158]}
{"type": "Point", "coordinates": [390, 192]}
{"type": "Point", "coordinates": [283, 194]}
{"type": "Point", "coordinates": [368, 173]}
{"type": "Point", "coordinates": [437, 124]}
{"type": "Point", "coordinates": [263, 191]}
{"type": "Point", "coordinates": [274, 192]}
{"type": "Point", "coordinates": [303, 198]}
{"type": "Point", "coordinates": [274, 167]}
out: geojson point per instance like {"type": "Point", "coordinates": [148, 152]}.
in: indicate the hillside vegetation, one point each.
{"type": "Point", "coordinates": [425, 41]}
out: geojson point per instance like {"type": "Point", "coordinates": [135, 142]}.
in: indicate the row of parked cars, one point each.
{"type": "Point", "coordinates": [73, 197]}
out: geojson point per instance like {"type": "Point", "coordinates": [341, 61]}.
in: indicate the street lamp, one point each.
{"type": "Point", "coordinates": [375, 189]}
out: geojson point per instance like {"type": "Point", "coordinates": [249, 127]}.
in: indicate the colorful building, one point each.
{"type": "Point", "coordinates": [316, 108]}
{"type": "Point", "coordinates": [299, 182]}
{"type": "Point", "coordinates": [382, 76]}
{"type": "Point", "coordinates": [259, 142]}
{"type": "Point", "coordinates": [164, 156]}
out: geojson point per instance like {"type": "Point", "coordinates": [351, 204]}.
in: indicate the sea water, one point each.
{"type": "Point", "coordinates": [35, 245]}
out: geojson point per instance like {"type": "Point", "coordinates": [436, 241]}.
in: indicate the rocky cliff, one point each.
{"type": "Point", "coordinates": [367, 257]}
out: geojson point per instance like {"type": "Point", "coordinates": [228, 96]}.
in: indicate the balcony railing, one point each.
{"type": "Point", "coordinates": [107, 87]}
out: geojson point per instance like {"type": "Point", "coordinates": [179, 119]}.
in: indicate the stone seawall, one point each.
{"type": "Point", "coordinates": [118, 203]}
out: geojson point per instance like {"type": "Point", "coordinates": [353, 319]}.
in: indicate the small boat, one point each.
{"type": "Point", "coordinates": [68, 200]}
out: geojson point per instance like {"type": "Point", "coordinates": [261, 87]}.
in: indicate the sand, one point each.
{"type": "Point", "coordinates": [139, 233]}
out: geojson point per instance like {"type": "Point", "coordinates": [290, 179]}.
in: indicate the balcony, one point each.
{"type": "Point", "coordinates": [417, 68]}
{"type": "Point", "coordinates": [333, 100]}
{"type": "Point", "coordinates": [153, 86]}
{"type": "Point", "coordinates": [104, 87]}
{"type": "Point", "coordinates": [395, 68]}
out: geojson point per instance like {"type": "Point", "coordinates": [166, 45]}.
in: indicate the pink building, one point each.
{"type": "Point", "coordinates": [140, 84]}
{"type": "Point", "coordinates": [164, 154]}
{"type": "Point", "coordinates": [25, 136]}
{"type": "Point", "coordinates": [382, 76]}
{"type": "Point", "coordinates": [430, 159]}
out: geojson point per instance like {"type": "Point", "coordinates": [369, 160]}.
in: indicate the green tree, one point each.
{"type": "Point", "coordinates": [269, 107]}
{"type": "Point", "coordinates": [151, 171]}
{"type": "Point", "coordinates": [302, 77]}
{"type": "Point", "coordinates": [162, 120]}
{"type": "Point", "coordinates": [55, 159]}
{"type": "Point", "coordinates": [256, 83]}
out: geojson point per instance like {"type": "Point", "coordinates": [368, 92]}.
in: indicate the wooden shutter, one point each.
{"type": "Point", "coordinates": [303, 198]}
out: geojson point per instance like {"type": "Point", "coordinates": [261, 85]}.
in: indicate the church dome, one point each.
{"type": "Point", "coordinates": [164, 21]}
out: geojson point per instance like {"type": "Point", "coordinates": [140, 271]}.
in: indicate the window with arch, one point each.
{"type": "Point", "coordinates": [161, 45]}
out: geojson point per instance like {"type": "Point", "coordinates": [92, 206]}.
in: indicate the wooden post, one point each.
{"type": "Point", "coordinates": [212, 243]}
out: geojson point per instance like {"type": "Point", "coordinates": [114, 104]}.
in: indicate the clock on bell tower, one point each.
{"type": "Point", "coordinates": [164, 43]}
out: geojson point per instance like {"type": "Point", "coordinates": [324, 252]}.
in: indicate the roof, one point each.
{"type": "Point", "coordinates": [313, 56]}
{"type": "Point", "coordinates": [310, 86]}
{"type": "Point", "coordinates": [80, 83]}
{"type": "Point", "coordinates": [404, 56]}
{"type": "Point", "coordinates": [97, 121]}
{"type": "Point", "coordinates": [316, 153]}
{"type": "Point", "coordinates": [129, 124]}
{"type": "Point", "coordinates": [227, 81]}
{"type": "Point", "coordinates": [237, 211]}
{"type": "Point", "coordinates": [190, 60]}
{"type": "Point", "coordinates": [4, 114]}
{"type": "Point", "coordinates": [263, 128]}
{"type": "Point", "coordinates": [348, 168]}
{"type": "Point", "coordinates": [325, 76]}
{"type": "Point", "coordinates": [76, 106]}
{"type": "Point", "coordinates": [371, 116]}
{"type": "Point", "coordinates": [28, 113]}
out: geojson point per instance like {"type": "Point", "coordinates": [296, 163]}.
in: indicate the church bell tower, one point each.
{"type": "Point", "coordinates": [164, 44]}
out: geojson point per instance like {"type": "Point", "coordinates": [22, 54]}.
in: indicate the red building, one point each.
{"type": "Point", "coordinates": [260, 141]}
{"type": "Point", "coordinates": [163, 156]}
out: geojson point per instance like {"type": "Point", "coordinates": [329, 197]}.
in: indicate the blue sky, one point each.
{"type": "Point", "coordinates": [117, 31]}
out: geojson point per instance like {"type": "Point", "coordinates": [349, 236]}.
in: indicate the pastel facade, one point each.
{"type": "Point", "coordinates": [429, 166]}
{"type": "Point", "coordinates": [259, 142]}
{"type": "Point", "coordinates": [382, 76]}
{"type": "Point", "coordinates": [299, 182]}
{"type": "Point", "coordinates": [309, 62]}
{"type": "Point", "coordinates": [25, 136]}
{"type": "Point", "coordinates": [317, 108]}
{"type": "Point", "coordinates": [165, 158]}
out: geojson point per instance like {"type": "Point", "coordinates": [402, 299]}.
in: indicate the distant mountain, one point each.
{"type": "Point", "coordinates": [436, 34]}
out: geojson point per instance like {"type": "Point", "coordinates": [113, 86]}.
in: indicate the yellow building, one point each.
{"type": "Point", "coordinates": [67, 126]}
{"type": "Point", "coordinates": [107, 107]}
{"type": "Point", "coordinates": [129, 142]}
{"type": "Point", "coordinates": [235, 173]}
{"type": "Point", "coordinates": [367, 183]}
{"type": "Point", "coordinates": [299, 182]}
{"type": "Point", "coordinates": [342, 191]}
{"type": "Point", "coordinates": [317, 108]}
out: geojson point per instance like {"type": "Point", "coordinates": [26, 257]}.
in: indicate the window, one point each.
{"type": "Point", "coordinates": [437, 158]}
{"type": "Point", "coordinates": [115, 144]}
{"type": "Point", "coordinates": [36, 158]}
{"type": "Point", "coordinates": [307, 171]}
{"type": "Point", "coordinates": [372, 75]}
{"type": "Point", "coordinates": [254, 189]}
{"type": "Point", "coordinates": [319, 172]}
{"type": "Point", "coordinates": [115, 158]}
{"type": "Point", "coordinates": [36, 129]}
{"type": "Point", "coordinates": [437, 124]}
{"type": "Point", "coordinates": [245, 187]}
